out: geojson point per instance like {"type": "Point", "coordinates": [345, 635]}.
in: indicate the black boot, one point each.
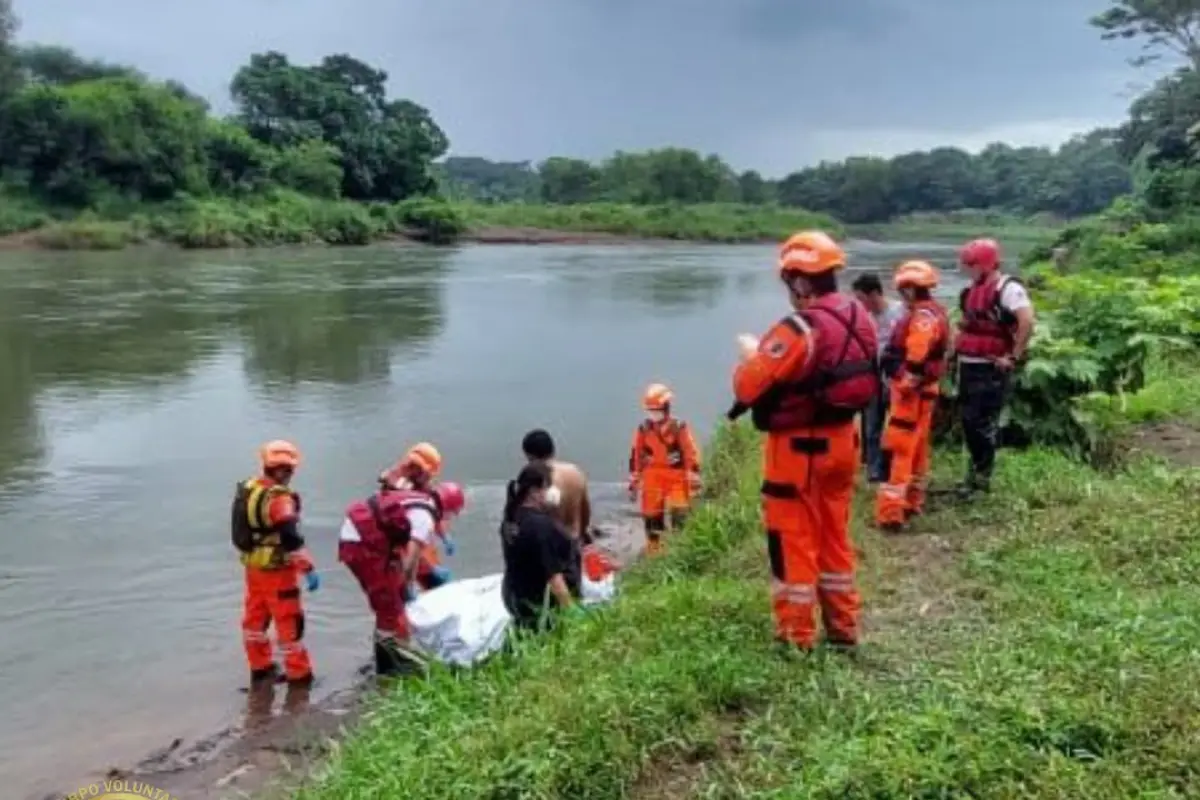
{"type": "Point", "coordinates": [393, 660]}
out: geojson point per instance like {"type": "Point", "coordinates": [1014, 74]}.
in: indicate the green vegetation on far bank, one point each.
{"type": "Point", "coordinates": [711, 222]}
{"type": "Point", "coordinates": [283, 217]}
{"type": "Point", "coordinates": [99, 155]}
{"type": "Point", "coordinates": [1017, 233]}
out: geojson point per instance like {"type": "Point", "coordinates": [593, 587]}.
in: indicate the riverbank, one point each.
{"type": "Point", "coordinates": [287, 218]}
{"type": "Point", "coordinates": [1033, 644]}
{"type": "Point", "coordinates": [283, 738]}
{"type": "Point", "coordinates": [1019, 234]}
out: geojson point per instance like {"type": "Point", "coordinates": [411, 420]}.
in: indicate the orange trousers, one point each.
{"type": "Point", "coordinates": [808, 485]}
{"type": "Point", "coordinates": [273, 595]}
{"type": "Point", "coordinates": [906, 443]}
{"type": "Point", "coordinates": [665, 493]}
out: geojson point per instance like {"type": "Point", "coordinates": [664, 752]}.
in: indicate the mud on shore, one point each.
{"type": "Point", "coordinates": [282, 737]}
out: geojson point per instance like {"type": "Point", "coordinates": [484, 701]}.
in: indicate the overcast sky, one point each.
{"type": "Point", "coordinates": [768, 84]}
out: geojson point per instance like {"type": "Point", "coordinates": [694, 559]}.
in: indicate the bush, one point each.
{"type": "Point", "coordinates": [89, 234]}
{"type": "Point", "coordinates": [430, 220]}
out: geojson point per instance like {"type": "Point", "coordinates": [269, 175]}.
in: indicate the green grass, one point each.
{"type": "Point", "coordinates": [287, 218]}
{"type": "Point", "coordinates": [1017, 234]}
{"type": "Point", "coordinates": [719, 222]}
{"type": "Point", "coordinates": [280, 218]}
{"type": "Point", "coordinates": [1038, 644]}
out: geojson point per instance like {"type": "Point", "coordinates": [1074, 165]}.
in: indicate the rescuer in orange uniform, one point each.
{"type": "Point", "coordinates": [664, 464]}
{"type": "Point", "coordinates": [266, 533]}
{"type": "Point", "coordinates": [915, 360]}
{"type": "Point", "coordinates": [804, 383]}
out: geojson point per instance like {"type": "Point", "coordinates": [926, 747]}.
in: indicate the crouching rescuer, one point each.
{"type": "Point", "coordinates": [266, 533]}
{"type": "Point", "coordinates": [804, 383]}
{"type": "Point", "coordinates": [914, 359]}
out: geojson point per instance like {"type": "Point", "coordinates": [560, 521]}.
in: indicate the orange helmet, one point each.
{"type": "Point", "coordinates": [810, 253]}
{"type": "Point", "coordinates": [279, 453]}
{"type": "Point", "coordinates": [424, 456]}
{"type": "Point", "coordinates": [657, 397]}
{"type": "Point", "coordinates": [920, 274]}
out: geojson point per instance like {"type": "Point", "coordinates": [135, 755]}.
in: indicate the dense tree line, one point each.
{"type": "Point", "coordinates": [1080, 177]}
{"type": "Point", "coordinates": [1161, 137]}
{"type": "Point", "coordinates": [80, 132]}
{"type": "Point", "coordinates": [76, 132]}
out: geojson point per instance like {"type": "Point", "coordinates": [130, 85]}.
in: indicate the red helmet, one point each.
{"type": "Point", "coordinates": [983, 254]}
{"type": "Point", "coordinates": [450, 497]}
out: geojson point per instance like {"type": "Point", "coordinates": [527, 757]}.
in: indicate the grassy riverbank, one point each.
{"type": "Point", "coordinates": [716, 222]}
{"type": "Point", "coordinates": [1017, 233]}
{"type": "Point", "coordinates": [1037, 644]}
{"type": "Point", "coordinates": [288, 218]}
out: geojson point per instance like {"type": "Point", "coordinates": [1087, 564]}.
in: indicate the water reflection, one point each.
{"type": "Point", "coordinates": [98, 321]}
{"type": "Point", "coordinates": [340, 325]}
{"type": "Point", "coordinates": [21, 441]}
{"type": "Point", "coordinates": [674, 287]}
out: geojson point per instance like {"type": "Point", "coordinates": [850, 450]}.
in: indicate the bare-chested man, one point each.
{"type": "Point", "coordinates": [574, 507]}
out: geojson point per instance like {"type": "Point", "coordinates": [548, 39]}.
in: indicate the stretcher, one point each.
{"type": "Point", "coordinates": [465, 621]}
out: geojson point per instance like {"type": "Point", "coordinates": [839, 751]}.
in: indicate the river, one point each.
{"type": "Point", "coordinates": [137, 386]}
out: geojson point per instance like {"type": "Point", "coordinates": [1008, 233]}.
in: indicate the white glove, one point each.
{"type": "Point", "coordinates": [747, 344]}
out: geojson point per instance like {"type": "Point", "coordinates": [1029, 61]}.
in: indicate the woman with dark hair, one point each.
{"type": "Point", "coordinates": [537, 552]}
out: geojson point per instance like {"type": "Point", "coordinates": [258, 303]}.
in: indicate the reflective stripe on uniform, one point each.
{"type": "Point", "coordinates": [802, 593]}
{"type": "Point", "coordinates": [836, 581]}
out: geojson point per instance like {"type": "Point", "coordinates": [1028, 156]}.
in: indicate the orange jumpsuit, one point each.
{"type": "Point", "coordinates": [808, 485]}
{"type": "Point", "coordinates": [664, 462]}
{"type": "Point", "coordinates": [271, 512]}
{"type": "Point", "coordinates": [918, 346]}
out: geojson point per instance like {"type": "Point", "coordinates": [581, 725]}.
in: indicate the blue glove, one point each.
{"type": "Point", "coordinates": [312, 581]}
{"type": "Point", "coordinates": [410, 593]}
{"type": "Point", "coordinates": [441, 576]}
{"type": "Point", "coordinates": [449, 546]}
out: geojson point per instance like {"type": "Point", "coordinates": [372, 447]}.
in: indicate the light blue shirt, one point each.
{"type": "Point", "coordinates": [885, 321]}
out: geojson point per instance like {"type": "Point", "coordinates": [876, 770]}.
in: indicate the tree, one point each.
{"type": "Point", "coordinates": [568, 180]}
{"type": "Point", "coordinates": [490, 181]}
{"type": "Point", "coordinates": [62, 66]}
{"type": "Point", "coordinates": [73, 144]}
{"type": "Point", "coordinates": [754, 189]}
{"type": "Point", "coordinates": [10, 77]}
{"type": "Point", "coordinates": [1170, 25]}
{"type": "Point", "coordinates": [386, 147]}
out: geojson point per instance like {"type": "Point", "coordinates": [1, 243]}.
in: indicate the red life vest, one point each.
{"type": "Point", "coordinates": [382, 519]}
{"type": "Point", "coordinates": [987, 329]}
{"type": "Point", "coordinates": [845, 377]}
{"type": "Point", "coordinates": [895, 351]}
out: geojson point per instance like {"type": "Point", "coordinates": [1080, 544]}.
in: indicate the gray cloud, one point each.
{"type": "Point", "coordinates": [771, 84]}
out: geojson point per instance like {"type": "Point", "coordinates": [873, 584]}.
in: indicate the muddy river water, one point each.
{"type": "Point", "coordinates": [137, 385]}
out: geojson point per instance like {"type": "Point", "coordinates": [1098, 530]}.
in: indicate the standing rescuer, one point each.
{"type": "Point", "coordinates": [664, 464]}
{"type": "Point", "coordinates": [914, 360]}
{"type": "Point", "coordinates": [804, 383]}
{"type": "Point", "coordinates": [993, 339]}
{"type": "Point", "coordinates": [266, 533]}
